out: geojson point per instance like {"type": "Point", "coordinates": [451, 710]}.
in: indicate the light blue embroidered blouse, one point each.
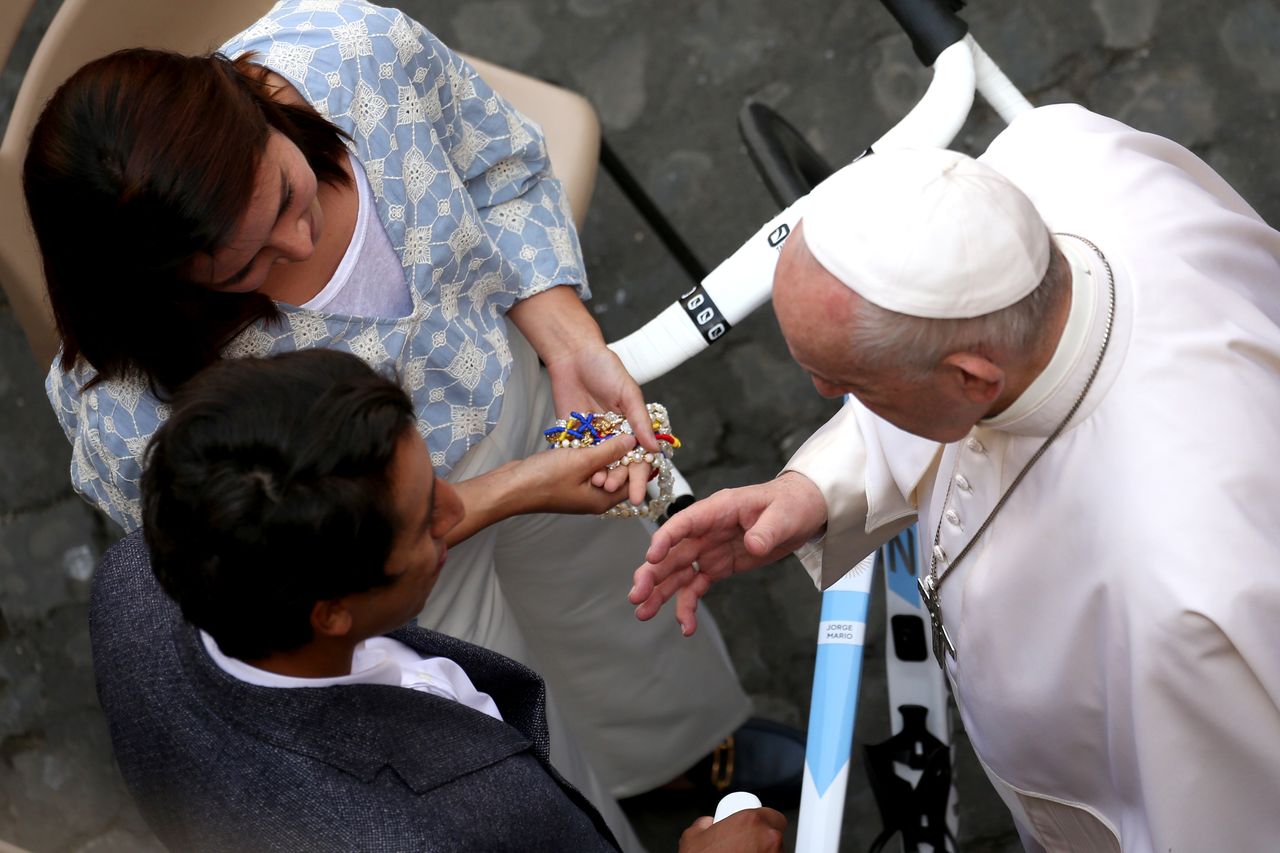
{"type": "Point", "coordinates": [463, 187]}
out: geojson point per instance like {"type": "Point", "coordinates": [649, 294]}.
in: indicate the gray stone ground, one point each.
{"type": "Point", "coordinates": [667, 80]}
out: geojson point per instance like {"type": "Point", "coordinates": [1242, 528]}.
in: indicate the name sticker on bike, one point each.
{"type": "Point", "coordinates": [841, 632]}
{"type": "Point", "coordinates": [704, 314]}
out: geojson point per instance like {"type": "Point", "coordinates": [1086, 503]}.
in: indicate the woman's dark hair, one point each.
{"type": "Point", "coordinates": [267, 490]}
{"type": "Point", "coordinates": [139, 161]}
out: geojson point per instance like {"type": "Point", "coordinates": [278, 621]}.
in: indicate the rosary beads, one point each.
{"type": "Point", "coordinates": [584, 430]}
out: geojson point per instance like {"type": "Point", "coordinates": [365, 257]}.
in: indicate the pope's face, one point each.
{"type": "Point", "coordinates": [815, 310]}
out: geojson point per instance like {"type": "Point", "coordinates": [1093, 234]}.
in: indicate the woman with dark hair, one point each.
{"type": "Point", "coordinates": [348, 182]}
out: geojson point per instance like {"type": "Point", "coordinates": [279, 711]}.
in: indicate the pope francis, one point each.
{"type": "Point", "coordinates": [1064, 363]}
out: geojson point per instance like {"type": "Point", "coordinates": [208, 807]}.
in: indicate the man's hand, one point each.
{"type": "Point", "coordinates": [747, 831]}
{"type": "Point", "coordinates": [552, 480]}
{"type": "Point", "coordinates": [565, 480]}
{"type": "Point", "coordinates": [734, 530]}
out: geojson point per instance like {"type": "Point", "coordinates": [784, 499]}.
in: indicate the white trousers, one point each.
{"type": "Point", "coordinates": [630, 704]}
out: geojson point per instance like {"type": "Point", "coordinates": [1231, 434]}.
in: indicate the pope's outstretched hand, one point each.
{"type": "Point", "coordinates": [734, 530]}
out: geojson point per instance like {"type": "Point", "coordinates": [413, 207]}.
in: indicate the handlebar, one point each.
{"type": "Point", "coordinates": [744, 280]}
{"type": "Point", "coordinates": [932, 25]}
{"type": "Point", "coordinates": [940, 113]}
{"type": "Point", "coordinates": [702, 315]}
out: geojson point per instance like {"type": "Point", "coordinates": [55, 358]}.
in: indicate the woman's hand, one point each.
{"type": "Point", "coordinates": [585, 374]}
{"type": "Point", "coordinates": [592, 379]}
{"type": "Point", "coordinates": [597, 375]}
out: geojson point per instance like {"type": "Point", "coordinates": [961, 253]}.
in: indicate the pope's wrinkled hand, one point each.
{"type": "Point", "coordinates": [734, 530]}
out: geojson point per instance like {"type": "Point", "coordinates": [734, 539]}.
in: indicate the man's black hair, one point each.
{"type": "Point", "coordinates": [267, 491]}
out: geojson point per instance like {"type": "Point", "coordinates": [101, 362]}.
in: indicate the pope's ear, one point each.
{"type": "Point", "coordinates": [331, 618]}
{"type": "Point", "coordinates": [979, 379]}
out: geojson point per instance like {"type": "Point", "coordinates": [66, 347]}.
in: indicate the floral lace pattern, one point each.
{"type": "Point", "coordinates": [463, 188]}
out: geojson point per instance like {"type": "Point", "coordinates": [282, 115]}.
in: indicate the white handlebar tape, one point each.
{"type": "Point", "coordinates": [995, 88]}
{"type": "Point", "coordinates": [941, 111]}
{"type": "Point", "coordinates": [740, 285]}
{"type": "Point", "coordinates": [734, 803]}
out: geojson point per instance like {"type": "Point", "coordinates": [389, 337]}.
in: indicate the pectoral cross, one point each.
{"type": "Point", "coordinates": [942, 644]}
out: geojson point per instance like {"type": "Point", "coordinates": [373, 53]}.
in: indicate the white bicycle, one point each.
{"type": "Point", "coordinates": [910, 773]}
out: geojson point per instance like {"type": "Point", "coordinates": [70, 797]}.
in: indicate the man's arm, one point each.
{"type": "Point", "coordinates": [552, 480]}
{"type": "Point", "coordinates": [840, 486]}
{"type": "Point", "coordinates": [868, 473]}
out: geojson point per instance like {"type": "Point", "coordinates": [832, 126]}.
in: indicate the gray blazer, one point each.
{"type": "Point", "coordinates": [218, 764]}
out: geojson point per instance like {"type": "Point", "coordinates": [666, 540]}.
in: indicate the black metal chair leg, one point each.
{"type": "Point", "coordinates": [649, 211]}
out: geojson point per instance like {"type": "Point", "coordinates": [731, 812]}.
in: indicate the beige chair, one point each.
{"type": "Point", "coordinates": [86, 29]}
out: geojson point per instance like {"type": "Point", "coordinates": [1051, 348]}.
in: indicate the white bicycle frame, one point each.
{"type": "Point", "coordinates": [734, 289]}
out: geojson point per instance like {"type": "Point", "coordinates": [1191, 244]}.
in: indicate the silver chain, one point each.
{"type": "Point", "coordinates": [1093, 374]}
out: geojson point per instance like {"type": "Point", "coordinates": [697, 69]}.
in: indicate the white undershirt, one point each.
{"type": "Point", "coordinates": [378, 660]}
{"type": "Point", "coordinates": [369, 280]}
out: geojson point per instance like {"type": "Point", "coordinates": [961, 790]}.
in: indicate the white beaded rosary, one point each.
{"type": "Point", "coordinates": [584, 430]}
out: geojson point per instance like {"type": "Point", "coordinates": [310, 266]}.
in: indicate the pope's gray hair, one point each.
{"type": "Point", "coordinates": [886, 339]}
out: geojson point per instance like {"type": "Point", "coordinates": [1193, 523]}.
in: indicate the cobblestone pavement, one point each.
{"type": "Point", "coordinates": [667, 80]}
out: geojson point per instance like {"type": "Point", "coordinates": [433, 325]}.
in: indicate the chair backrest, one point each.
{"type": "Point", "coordinates": [83, 30]}
{"type": "Point", "coordinates": [12, 16]}
{"type": "Point", "coordinates": [86, 29]}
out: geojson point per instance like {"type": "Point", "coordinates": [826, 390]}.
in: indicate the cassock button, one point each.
{"type": "Point", "coordinates": [975, 445]}
{"type": "Point", "coordinates": [953, 517]}
{"type": "Point", "coordinates": [963, 484]}
{"type": "Point", "coordinates": [939, 555]}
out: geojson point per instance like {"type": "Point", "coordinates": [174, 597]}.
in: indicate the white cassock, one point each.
{"type": "Point", "coordinates": [1118, 625]}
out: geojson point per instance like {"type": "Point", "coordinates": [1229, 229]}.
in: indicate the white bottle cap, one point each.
{"type": "Point", "coordinates": [735, 802]}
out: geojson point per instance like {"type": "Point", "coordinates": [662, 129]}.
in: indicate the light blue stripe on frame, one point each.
{"type": "Point", "coordinates": [897, 559]}
{"type": "Point", "coordinates": [837, 672]}
{"type": "Point", "coordinates": [844, 606]}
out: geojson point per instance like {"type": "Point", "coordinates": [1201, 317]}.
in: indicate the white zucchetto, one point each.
{"type": "Point", "coordinates": [927, 232]}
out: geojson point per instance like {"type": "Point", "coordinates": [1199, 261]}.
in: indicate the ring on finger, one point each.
{"type": "Point", "coordinates": [696, 568]}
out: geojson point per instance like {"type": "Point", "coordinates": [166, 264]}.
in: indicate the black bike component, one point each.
{"type": "Point", "coordinates": [932, 25]}
{"type": "Point", "coordinates": [919, 812]}
{"type": "Point", "coordinates": [682, 502]}
{"type": "Point", "coordinates": [908, 635]}
{"type": "Point", "coordinates": [786, 161]}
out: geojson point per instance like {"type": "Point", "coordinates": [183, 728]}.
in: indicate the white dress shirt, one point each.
{"type": "Point", "coordinates": [378, 660]}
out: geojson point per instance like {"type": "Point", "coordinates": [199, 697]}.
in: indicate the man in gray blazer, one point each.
{"type": "Point", "coordinates": [261, 686]}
